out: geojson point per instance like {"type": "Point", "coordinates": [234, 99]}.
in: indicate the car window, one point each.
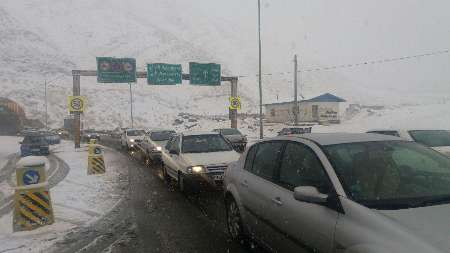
{"type": "Point", "coordinates": [176, 144]}
{"type": "Point", "coordinates": [250, 158]}
{"type": "Point", "coordinates": [205, 143]}
{"type": "Point", "coordinates": [161, 136]}
{"type": "Point", "coordinates": [230, 131]}
{"type": "Point", "coordinates": [301, 167]}
{"type": "Point", "coordinates": [169, 143]}
{"type": "Point", "coordinates": [135, 132]}
{"type": "Point", "coordinates": [431, 138]}
{"type": "Point", "coordinates": [267, 159]}
{"type": "Point", "coordinates": [390, 174]}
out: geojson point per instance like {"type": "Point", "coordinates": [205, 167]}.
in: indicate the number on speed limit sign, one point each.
{"type": "Point", "coordinates": [76, 103]}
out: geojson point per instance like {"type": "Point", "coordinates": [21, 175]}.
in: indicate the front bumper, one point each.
{"type": "Point", "coordinates": [213, 176]}
{"type": "Point", "coordinates": [155, 155]}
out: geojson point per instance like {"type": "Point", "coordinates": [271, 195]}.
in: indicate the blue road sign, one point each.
{"type": "Point", "coordinates": [97, 151]}
{"type": "Point", "coordinates": [31, 177]}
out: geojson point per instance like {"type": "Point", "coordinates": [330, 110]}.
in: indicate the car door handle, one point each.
{"type": "Point", "coordinates": [244, 183]}
{"type": "Point", "coordinates": [277, 201]}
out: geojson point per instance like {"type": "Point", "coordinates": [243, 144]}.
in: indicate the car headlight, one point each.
{"type": "Point", "coordinates": [131, 140]}
{"type": "Point", "coordinates": [196, 169]}
{"type": "Point", "coordinates": [158, 148]}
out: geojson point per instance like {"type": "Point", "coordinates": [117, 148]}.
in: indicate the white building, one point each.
{"type": "Point", "coordinates": [322, 109]}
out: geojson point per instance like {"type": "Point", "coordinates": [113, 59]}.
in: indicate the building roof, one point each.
{"type": "Point", "coordinates": [327, 97]}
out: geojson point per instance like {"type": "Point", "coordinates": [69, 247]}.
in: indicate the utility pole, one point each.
{"type": "Point", "coordinates": [77, 115]}
{"type": "Point", "coordinates": [296, 111]}
{"type": "Point", "coordinates": [46, 105]}
{"type": "Point", "coordinates": [261, 127]}
{"type": "Point", "coordinates": [131, 106]}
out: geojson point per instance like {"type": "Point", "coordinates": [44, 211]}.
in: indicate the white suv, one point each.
{"type": "Point", "coordinates": [131, 137]}
{"type": "Point", "coordinates": [195, 157]}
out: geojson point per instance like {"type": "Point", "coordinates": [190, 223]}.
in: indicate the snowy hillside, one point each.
{"type": "Point", "coordinates": [44, 39]}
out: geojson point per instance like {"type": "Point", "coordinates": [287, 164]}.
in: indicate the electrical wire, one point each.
{"type": "Point", "coordinates": [364, 63]}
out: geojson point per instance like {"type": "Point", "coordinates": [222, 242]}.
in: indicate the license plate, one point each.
{"type": "Point", "coordinates": [35, 150]}
{"type": "Point", "coordinates": [218, 177]}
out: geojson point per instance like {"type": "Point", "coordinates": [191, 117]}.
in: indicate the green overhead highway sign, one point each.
{"type": "Point", "coordinates": [164, 74]}
{"type": "Point", "coordinates": [116, 70]}
{"type": "Point", "coordinates": [204, 74]}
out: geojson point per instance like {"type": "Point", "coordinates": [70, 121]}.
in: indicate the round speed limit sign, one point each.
{"type": "Point", "coordinates": [235, 103]}
{"type": "Point", "coordinates": [76, 103]}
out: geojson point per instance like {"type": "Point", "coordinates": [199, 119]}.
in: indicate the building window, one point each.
{"type": "Point", "coordinates": [272, 112]}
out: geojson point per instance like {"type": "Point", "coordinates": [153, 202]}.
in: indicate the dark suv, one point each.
{"type": "Point", "coordinates": [34, 144]}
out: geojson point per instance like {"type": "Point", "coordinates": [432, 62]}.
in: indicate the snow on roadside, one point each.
{"type": "Point", "coordinates": [78, 200]}
{"type": "Point", "coordinates": [8, 145]}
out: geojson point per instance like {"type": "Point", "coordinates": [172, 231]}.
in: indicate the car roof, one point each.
{"type": "Point", "coordinates": [160, 130]}
{"type": "Point", "coordinates": [325, 139]}
{"type": "Point", "coordinates": [133, 129]}
{"type": "Point", "coordinates": [191, 133]}
{"type": "Point", "coordinates": [405, 129]}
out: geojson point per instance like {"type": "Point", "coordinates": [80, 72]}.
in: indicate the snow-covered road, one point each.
{"type": "Point", "coordinates": [78, 199]}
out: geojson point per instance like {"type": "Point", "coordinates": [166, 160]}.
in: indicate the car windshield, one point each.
{"type": "Point", "coordinates": [161, 136]}
{"type": "Point", "coordinates": [230, 131]}
{"type": "Point", "coordinates": [431, 138]}
{"type": "Point", "coordinates": [33, 139]}
{"type": "Point", "coordinates": [205, 144]}
{"type": "Point", "coordinates": [391, 174]}
{"type": "Point", "coordinates": [135, 132]}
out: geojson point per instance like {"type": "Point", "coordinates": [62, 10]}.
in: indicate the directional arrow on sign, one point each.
{"type": "Point", "coordinates": [33, 179]}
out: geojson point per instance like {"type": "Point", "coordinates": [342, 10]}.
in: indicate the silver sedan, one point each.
{"type": "Point", "coordinates": [349, 193]}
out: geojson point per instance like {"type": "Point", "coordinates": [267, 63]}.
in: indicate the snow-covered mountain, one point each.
{"type": "Point", "coordinates": [45, 39]}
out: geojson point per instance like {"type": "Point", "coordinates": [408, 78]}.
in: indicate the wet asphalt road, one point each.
{"type": "Point", "coordinates": [154, 217]}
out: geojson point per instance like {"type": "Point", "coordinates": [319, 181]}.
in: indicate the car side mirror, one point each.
{"type": "Point", "coordinates": [20, 142]}
{"type": "Point", "coordinates": [309, 194]}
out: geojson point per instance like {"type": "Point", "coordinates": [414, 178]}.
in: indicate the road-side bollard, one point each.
{"type": "Point", "coordinates": [96, 162]}
{"type": "Point", "coordinates": [32, 207]}
{"type": "Point", "coordinates": [91, 146]}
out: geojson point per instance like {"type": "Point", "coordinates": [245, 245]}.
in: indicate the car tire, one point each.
{"type": "Point", "coordinates": [183, 184]}
{"type": "Point", "coordinates": [147, 160]}
{"type": "Point", "coordinates": [234, 222]}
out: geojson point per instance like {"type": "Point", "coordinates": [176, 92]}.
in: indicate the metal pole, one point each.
{"type": "Point", "coordinates": [295, 91]}
{"type": "Point", "coordinates": [261, 127]}
{"type": "Point", "coordinates": [46, 106]}
{"type": "Point", "coordinates": [77, 120]}
{"type": "Point", "coordinates": [131, 106]}
{"type": "Point", "coordinates": [233, 112]}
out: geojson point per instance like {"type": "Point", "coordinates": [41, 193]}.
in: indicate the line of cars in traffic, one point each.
{"type": "Point", "coordinates": [373, 192]}
{"type": "Point", "coordinates": [37, 142]}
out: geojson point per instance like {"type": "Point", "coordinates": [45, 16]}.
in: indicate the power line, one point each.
{"type": "Point", "coordinates": [364, 63]}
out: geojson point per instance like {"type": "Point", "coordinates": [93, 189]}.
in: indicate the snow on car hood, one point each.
{"type": "Point", "coordinates": [431, 223]}
{"type": "Point", "coordinates": [211, 158]}
{"type": "Point", "coordinates": [443, 150]}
